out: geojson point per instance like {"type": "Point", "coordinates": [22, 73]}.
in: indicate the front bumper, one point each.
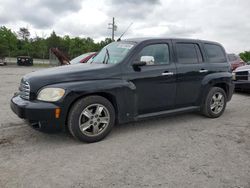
{"type": "Point", "coordinates": [242, 85]}
{"type": "Point", "coordinates": [42, 113]}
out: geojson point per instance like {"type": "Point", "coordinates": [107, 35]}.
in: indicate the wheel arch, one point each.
{"type": "Point", "coordinates": [222, 80]}
{"type": "Point", "coordinates": [223, 86]}
{"type": "Point", "coordinates": [110, 97]}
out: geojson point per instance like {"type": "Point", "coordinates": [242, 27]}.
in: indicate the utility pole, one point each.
{"type": "Point", "coordinates": [113, 27]}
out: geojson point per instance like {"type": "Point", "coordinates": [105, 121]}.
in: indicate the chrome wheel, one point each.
{"type": "Point", "coordinates": [217, 103]}
{"type": "Point", "coordinates": [94, 119]}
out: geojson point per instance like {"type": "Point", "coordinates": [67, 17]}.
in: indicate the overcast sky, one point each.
{"type": "Point", "coordinates": [225, 21]}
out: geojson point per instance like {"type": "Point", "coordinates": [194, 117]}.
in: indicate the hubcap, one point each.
{"type": "Point", "coordinates": [94, 119]}
{"type": "Point", "coordinates": [217, 103]}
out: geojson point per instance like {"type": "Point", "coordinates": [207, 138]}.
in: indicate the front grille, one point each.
{"type": "Point", "coordinates": [24, 90]}
{"type": "Point", "coordinates": [243, 75]}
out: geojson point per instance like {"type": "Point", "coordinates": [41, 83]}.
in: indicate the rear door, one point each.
{"type": "Point", "coordinates": [191, 69]}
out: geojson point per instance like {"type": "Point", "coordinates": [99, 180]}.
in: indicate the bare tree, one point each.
{"type": "Point", "coordinates": [23, 33]}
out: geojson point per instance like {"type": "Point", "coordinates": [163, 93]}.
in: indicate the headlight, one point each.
{"type": "Point", "coordinates": [233, 75]}
{"type": "Point", "coordinates": [50, 94]}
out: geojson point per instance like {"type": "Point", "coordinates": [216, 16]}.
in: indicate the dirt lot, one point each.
{"type": "Point", "coordinates": [187, 150]}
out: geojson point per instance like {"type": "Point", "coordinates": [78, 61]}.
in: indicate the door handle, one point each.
{"type": "Point", "coordinates": [203, 70]}
{"type": "Point", "coordinates": [167, 73]}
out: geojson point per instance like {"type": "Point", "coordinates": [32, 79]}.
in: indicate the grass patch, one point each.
{"type": "Point", "coordinates": [43, 65]}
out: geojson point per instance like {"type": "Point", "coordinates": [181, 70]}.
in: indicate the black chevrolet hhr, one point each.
{"type": "Point", "coordinates": [127, 81]}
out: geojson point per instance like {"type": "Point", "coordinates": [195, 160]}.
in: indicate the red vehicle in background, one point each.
{"type": "Point", "coordinates": [84, 58]}
{"type": "Point", "coordinates": [235, 61]}
{"type": "Point", "coordinates": [64, 60]}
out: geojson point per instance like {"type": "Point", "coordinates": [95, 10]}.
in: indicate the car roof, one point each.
{"type": "Point", "coordinates": [138, 40]}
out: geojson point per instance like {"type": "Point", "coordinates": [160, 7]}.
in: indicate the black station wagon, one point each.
{"type": "Point", "coordinates": [127, 81]}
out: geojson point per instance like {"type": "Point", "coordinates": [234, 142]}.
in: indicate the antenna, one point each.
{"type": "Point", "coordinates": [125, 31]}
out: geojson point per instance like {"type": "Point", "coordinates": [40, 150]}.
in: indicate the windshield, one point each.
{"type": "Point", "coordinates": [79, 58]}
{"type": "Point", "coordinates": [113, 53]}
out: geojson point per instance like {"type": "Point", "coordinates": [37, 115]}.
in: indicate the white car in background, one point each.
{"type": "Point", "coordinates": [2, 61]}
{"type": "Point", "coordinates": [241, 77]}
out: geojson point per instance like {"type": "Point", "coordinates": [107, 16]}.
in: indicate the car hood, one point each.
{"type": "Point", "coordinates": [243, 68]}
{"type": "Point", "coordinates": [68, 73]}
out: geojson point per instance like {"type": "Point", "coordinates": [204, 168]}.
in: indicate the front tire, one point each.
{"type": "Point", "coordinates": [214, 103]}
{"type": "Point", "coordinates": [91, 119]}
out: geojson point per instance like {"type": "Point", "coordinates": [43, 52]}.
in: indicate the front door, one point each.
{"type": "Point", "coordinates": [155, 81]}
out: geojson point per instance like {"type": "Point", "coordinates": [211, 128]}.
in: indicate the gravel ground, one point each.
{"type": "Point", "coordinates": [187, 150]}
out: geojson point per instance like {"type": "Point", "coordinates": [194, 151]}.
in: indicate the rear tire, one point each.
{"type": "Point", "coordinates": [91, 119]}
{"type": "Point", "coordinates": [214, 103]}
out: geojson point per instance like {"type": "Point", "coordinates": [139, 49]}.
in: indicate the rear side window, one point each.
{"type": "Point", "coordinates": [188, 53]}
{"type": "Point", "coordinates": [215, 53]}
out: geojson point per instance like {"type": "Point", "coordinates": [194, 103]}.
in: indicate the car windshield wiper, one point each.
{"type": "Point", "coordinates": [107, 52]}
{"type": "Point", "coordinates": [106, 57]}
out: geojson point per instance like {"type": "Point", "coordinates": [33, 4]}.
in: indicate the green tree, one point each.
{"type": "Point", "coordinates": [76, 47]}
{"type": "Point", "coordinates": [8, 42]}
{"type": "Point", "coordinates": [104, 43]}
{"type": "Point", "coordinates": [53, 41]}
{"type": "Point", "coordinates": [245, 56]}
{"type": "Point", "coordinates": [38, 47]}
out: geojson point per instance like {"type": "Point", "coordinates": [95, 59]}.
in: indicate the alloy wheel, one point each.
{"type": "Point", "coordinates": [217, 103]}
{"type": "Point", "coordinates": [94, 119]}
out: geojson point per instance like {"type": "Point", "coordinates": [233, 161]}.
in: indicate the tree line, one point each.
{"type": "Point", "coordinates": [245, 56]}
{"type": "Point", "coordinates": [20, 43]}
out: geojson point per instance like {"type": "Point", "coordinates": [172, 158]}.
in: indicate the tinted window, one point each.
{"type": "Point", "coordinates": [215, 53]}
{"type": "Point", "coordinates": [160, 52]}
{"type": "Point", "coordinates": [188, 53]}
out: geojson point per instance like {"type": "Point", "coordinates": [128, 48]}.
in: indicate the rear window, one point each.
{"type": "Point", "coordinates": [188, 53]}
{"type": "Point", "coordinates": [215, 53]}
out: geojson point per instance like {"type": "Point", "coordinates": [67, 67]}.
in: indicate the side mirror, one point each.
{"type": "Point", "coordinates": [149, 60]}
{"type": "Point", "coordinates": [144, 60]}
{"type": "Point", "coordinates": [139, 63]}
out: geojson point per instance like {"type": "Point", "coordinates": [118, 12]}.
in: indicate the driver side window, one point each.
{"type": "Point", "coordinates": [156, 53]}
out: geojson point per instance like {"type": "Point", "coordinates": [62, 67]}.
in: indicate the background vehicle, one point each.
{"type": "Point", "coordinates": [24, 60]}
{"type": "Point", "coordinates": [127, 81]}
{"type": "Point", "coordinates": [2, 61]}
{"type": "Point", "coordinates": [235, 61]}
{"type": "Point", "coordinates": [64, 60]}
{"type": "Point", "coordinates": [83, 58]}
{"type": "Point", "coordinates": [241, 77]}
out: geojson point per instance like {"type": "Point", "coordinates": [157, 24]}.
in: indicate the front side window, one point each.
{"type": "Point", "coordinates": [215, 53]}
{"type": "Point", "coordinates": [113, 53]}
{"type": "Point", "coordinates": [188, 53]}
{"type": "Point", "coordinates": [158, 52]}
